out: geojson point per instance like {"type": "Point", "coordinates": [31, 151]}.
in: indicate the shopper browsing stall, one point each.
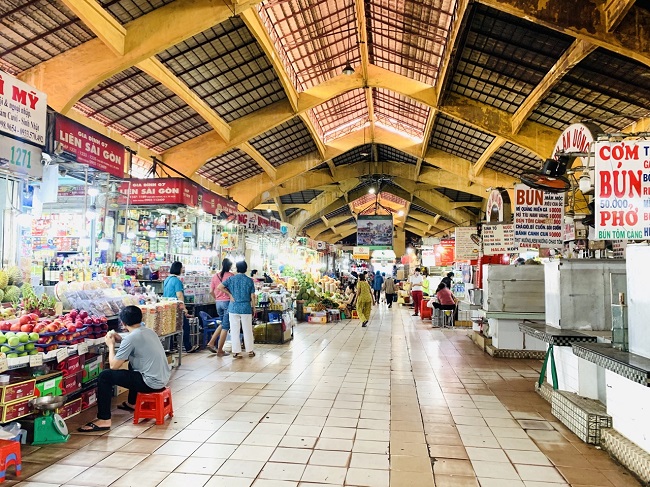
{"type": "Point", "coordinates": [173, 288]}
{"type": "Point", "coordinates": [365, 300]}
{"type": "Point", "coordinates": [222, 300]}
{"type": "Point", "coordinates": [148, 367]}
{"type": "Point", "coordinates": [377, 284]}
{"type": "Point", "coordinates": [390, 290]}
{"type": "Point", "coordinates": [240, 289]}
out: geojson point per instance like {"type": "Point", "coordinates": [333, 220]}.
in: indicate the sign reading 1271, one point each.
{"type": "Point", "coordinates": [622, 190]}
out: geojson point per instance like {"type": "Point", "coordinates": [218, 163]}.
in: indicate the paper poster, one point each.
{"type": "Point", "coordinates": [465, 248]}
{"type": "Point", "coordinates": [499, 239]}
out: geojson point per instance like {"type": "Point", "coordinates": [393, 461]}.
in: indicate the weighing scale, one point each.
{"type": "Point", "coordinates": [49, 427]}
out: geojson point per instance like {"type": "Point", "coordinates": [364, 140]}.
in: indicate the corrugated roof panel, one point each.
{"type": "Point", "coordinates": [230, 168]}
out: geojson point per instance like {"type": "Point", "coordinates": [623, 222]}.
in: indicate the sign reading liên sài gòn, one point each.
{"type": "Point", "coordinates": [622, 190]}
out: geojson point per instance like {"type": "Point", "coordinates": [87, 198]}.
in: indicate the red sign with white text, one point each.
{"type": "Point", "coordinates": [90, 147]}
{"type": "Point", "coordinates": [166, 191]}
{"type": "Point", "coordinates": [214, 204]}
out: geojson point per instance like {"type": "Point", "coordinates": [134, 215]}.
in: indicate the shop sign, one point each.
{"type": "Point", "coordinates": [214, 204]}
{"type": "Point", "coordinates": [23, 111]}
{"type": "Point", "coordinates": [539, 217]}
{"type": "Point", "coordinates": [494, 207]}
{"type": "Point", "coordinates": [166, 191]}
{"type": "Point", "coordinates": [287, 229]}
{"type": "Point", "coordinates": [71, 190]}
{"type": "Point", "coordinates": [444, 251]}
{"type": "Point", "coordinates": [499, 239]}
{"type": "Point", "coordinates": [569, 232]}
{"type": "Point", "coordinates": [361, 253]}
{"type": "Point", "coordinates": [577, 137]}
{"type": "Point", "coordinates": [20, 158]}
{"type": "Point", "coordinates": [322, 246]}
{"type": "Point", "coordinates": [89, 147]}
{"type": "Point", "coordinates": [622, 194]}
{"type": "Point", "coordinates": [428, 258]}
{"type": "Point", "coordinates": [464, 247]}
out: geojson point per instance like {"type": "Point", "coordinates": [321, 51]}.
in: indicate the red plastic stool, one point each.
{"type": "Point", "coordinates": [425, 311]}
{"type": "Point", "coordinates": [9, 455]}
{"type": "Point", "coordinates": [355, 315]}
{"type": "Point", "coordinates": [153, 405]}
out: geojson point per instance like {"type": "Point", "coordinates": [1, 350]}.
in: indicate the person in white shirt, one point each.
{"type": "Point", "coordinates": [416, 281]}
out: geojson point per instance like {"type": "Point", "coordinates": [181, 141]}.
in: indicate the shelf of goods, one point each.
{"type": "Point", "coordinates": [197, 287]}
{"type": "Point", "coordinates": [277, 318]}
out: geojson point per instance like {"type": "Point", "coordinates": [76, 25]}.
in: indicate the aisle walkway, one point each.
{"type": "Point", "coordinates": [396, 404]}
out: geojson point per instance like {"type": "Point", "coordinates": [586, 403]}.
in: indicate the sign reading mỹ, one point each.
{"type": "Point", "coordinates": [23, 111]}
{"type": "Point", "coordinates": [539, 217]}
{"type": "Point", "coordinates": [499, 239]}
{"type": "Point", "coordinates": [622, 190]}
{"type": "Point", "coordinates": [165, 191]}
{"type": "Point", "coordinates": [465, 248]}
{"type": "Point", "coordinates": [89, 147]}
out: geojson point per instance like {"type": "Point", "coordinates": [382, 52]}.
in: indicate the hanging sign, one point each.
{"type": "Point", "coordinates": [23, 111]}
{"type": "Point", "coordinates": [89, 147]}
{"type": "Point", "coordinates": [165, 191]}
{"type": "Point", "coordinates": [499, 239]}
{"type": "Point", "coordinates": [375, 230]}
{"type": "Point", "coordinates": [361, 253]}
{"type": "Point", "coordinates": [622, 196]}
{"type": "Point", "coordinates": [569, 232]}
{"type": "Point", "coordinates": [577, 137]}
{"type": "Point", "coordinates": [20, 158]}
{"type": "Point", "coordinates": [213, 204]}
{"type": "Point", "coordinates": [464, 247]}
{"type": "Point", "coordinates": [539, 217]}
{"type": "Point", "coordinates": [494, 207]}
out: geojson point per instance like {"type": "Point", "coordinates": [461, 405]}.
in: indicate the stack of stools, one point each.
{"type": "Point", "coordinates": [154, 405]}
{"type": "Point", "coordinates": [9, 455]}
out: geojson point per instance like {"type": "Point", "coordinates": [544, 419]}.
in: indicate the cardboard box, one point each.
{"type": "Point", "coordinates": [16, 409]}
{"type": "Point", "coordinates": [17, 390]}
{"type": "Point", "coordinates": [70, 409]}
{"type": "Point", "coordinates": [71, 383]}
{"type": "Point", "coordinates": [92, 369]}
{"type": "Point", "coordinates": [88, 398]}
{"type": "Point", "coordinates": [318, 319]}
{"type": "Point", "coordinates": [72, 365]}
{"type": "Point", "coordinates": [49, 387]}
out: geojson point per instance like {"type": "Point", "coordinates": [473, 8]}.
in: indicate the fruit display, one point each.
{"type": "Point", "coordinates": [11, 279]}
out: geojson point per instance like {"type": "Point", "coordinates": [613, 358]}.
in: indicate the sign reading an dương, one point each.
{"type": "Point", "coordinates": [622, 190]}
{"type": "Point", "coordinates": [539, 218]}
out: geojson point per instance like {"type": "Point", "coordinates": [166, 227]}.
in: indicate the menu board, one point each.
{"type": "Point", "coordinates": [539, 217]}
{"type": "Point", "coordinates": [499, 239]}
{"type": "Point", "coordinates": [622, 193]}
{"type": "Point", "coordinates": [465, 248]}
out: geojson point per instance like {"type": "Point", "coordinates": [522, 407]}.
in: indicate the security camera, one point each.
{"type": "Point", "coordinates": [46, 159]}
{"type": "Point", "coordinates": [63, 172]}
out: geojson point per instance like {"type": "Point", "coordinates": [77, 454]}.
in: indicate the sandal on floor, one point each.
{"type": "Point", "coordinates": [92, 427]}
{"type": "Point", "coordinates": [222, 353]}
{"type": "Point", "coordinates": [212, 348]}
{"type": "Point", "coordinates": [125, 407]}
{"type": "Point", "coordinates": [237, 355]}
{"type": "Point", "coordinates": [194, 349]}
{"type": "Point", "coordinates": [251, 354]}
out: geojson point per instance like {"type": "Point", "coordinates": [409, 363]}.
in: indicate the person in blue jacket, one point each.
{"type": "Point", "coordinates": [377, 284]}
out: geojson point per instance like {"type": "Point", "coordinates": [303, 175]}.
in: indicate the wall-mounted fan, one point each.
{"type": "Point", "coordinates": [551, 176]}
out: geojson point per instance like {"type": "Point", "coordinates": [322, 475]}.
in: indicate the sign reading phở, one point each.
{"type": "Point", "coordinates": [499, 239]}
{"type": "Point", "coordinates": [622, 190]}
{"type": "Point", "coordinates": [89, 147]}
{"type": "Point", "coordinates": [539, 217]}
{"type": "Point", "coordinates": [465, 248]}
{"type": "Point", "coordinates": [23, 111]}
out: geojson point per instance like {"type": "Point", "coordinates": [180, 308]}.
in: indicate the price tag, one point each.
{"type": "Point", "coordinates": [82, 348]}
{"type": "Point", "coordinates": [61, 354]}
{"type": "Point", "coordinates": [3, 362]}
{"type": "Point", "coordinates": [36, 360]}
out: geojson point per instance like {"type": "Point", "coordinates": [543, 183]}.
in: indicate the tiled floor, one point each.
{"type": "Point", "coordinates": [397, 404]}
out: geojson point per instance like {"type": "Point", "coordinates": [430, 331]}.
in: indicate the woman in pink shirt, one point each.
{"type": "Point", "coordinates": [222, 301]}
{"type": "Point", "coordinates": [445, 298]}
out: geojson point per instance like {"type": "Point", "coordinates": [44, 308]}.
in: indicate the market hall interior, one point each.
{"type": "Point", "coordinates": [397, 403]}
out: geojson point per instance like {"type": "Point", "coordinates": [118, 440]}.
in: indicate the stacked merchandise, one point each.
{"type": "Point", "coordinates": [162, 317]}
{"type": "Point", "coordinates": [197, 287]}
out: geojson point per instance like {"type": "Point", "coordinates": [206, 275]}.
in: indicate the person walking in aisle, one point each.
{"type": "Point", "coordinates": [390, 290]}
{"type": "Point", "coordinates": [377, 284]}
{"type": "Point", "coordinates": [365, 300]}
{"type": "Point", "coordinates": [240, 289]}
{"type": "Point", "coordinates": [416, 290]}
{"type": "Point", "coordinates": [222, 301]}
{"type": "Point", "coordinates": [173, 288]}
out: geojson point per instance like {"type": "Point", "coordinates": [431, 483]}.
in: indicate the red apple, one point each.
{"type": "Point", "coordinates": [5, 326]}
{"type": "Point", "coordinates": [51, 328]}
{"type": "Point", "coordinates": [83, 314]}
{"type": "Point", "coordinates": [27, 328]}
{"type": "Point", "coordinates": [24, 319]}
{"type": "Point", "coordinates": [39, 328]}
{"type": "Point", "coordinates": [15, 327]}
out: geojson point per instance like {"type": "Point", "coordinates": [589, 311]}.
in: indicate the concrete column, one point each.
{"type": "Point", "coordinates": [399, 243]}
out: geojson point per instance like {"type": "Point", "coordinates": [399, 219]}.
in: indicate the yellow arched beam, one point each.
{"type": "Point", "coordinates": [538, 138]}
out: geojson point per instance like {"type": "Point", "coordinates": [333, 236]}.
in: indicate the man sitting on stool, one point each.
{"type": "Point", "coordinates": [148, 367]}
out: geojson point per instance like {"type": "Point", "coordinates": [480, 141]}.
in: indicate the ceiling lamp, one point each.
{"type": "Point", "coordinates": [348, 70]}
{"type": "Point", "coordinates": [371, 191]}
{"type": "Point", "coordinates": [400, 213]}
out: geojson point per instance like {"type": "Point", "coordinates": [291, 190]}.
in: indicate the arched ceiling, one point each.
{"type": "Point", "coordinates": [447, 99]}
